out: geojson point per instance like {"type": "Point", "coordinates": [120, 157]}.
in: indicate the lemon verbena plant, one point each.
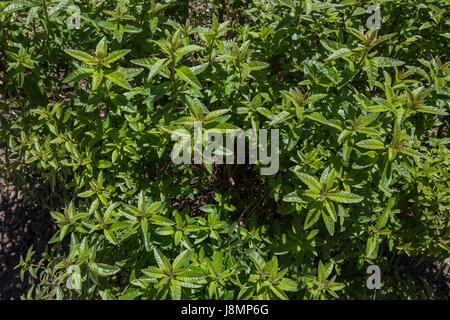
{"type": "Point", "coordinates": [91, 92]}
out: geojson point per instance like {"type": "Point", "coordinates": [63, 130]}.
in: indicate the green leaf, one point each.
{"type": "Point", "coordinates": [181, 260]}
{"type": "Point", "coordinates": [116, 55]}
{"type": "Point", "coordinates": [118, 78]}
{"type": "Point", "coordinates": [188, 76]}
{"type": "Point", "coordinates": [329, 223]}
{"type": "Point", "coordinates": [288, 285]}
{"type": "Point", "coordinates": [371, 144]}
{"type": "Point", "coordinates": [161, 260]}
{"type": "Point", "coordinates": [257, 65]}
{"type": "Point", "coordinates": [257, 259]}
{"type": "Point", "coordinates": [371, 246]}
{"type": "Point", "coordinates": [372, 72]}
{"type": "Point", "coordinates": [342, 52]}
{"type": "Point", "coordinates": [175, 289]}
{"type": "Point", "coordinates": [103, 269]}
{"type": "Point", "coordinates": [161, 221]}
{"type": "Point", "coordinates": [78, 74]}
{"type": "Point", "coordinates": [383, 62]}
{"type": "Point", "coordinates": [86, 194]}
{"type": "Point", "coordinates": [432, 110]}
{"type": "Point", "coordinates": [104, 164]}
{"type": "Point", "coordinates": [345, 197]}
{"type": "Point", "coordinates": [154, 272]}
{"type": "Point", "coordinates": [83, 56]}
{"type": "Point", "coordinates": [279, 293]}
{"type": "Point", "coordinates": [63, 232]}
{"type": "Point", "coordinates": [293, 197]}
{"type": "Point", "coordinates": [215, 114]}
{"type": "Point", "coordinates": [410, 152]}
{"type": "Point", "coordinates": [311, 218]}
{"type": "Point", "coordinates": [187, 49]}
{"type": "Point", "coordinates": [155, 67]}
{"type": "Point", "coordinates": [382, 219]}
{"type": "Point", "coordinates": [97, 78]}
{"type": "Point", "coordinates": [358, 34]}
{"type": "Point", "coordinates": [102, 48]}
{"type": "Point", "coordinates": [109, 235]}
{"type": "Point", "coordinates": [310, 181]}
{"type": "Point", "coordinates": [316, 116]}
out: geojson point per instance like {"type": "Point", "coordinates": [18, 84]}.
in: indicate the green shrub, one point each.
{"type": "Point", "coordinates": [363, 121]}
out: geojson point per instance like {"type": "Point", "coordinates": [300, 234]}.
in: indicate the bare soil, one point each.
{"type": "Point", "coordinates": [21, 226]}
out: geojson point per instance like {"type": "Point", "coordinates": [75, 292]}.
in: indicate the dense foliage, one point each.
{"type": "Point", "coordinates": [89, 110]}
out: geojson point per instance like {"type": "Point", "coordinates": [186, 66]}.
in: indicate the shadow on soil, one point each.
{"type": "Point", "coordinates": [21, 226]}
